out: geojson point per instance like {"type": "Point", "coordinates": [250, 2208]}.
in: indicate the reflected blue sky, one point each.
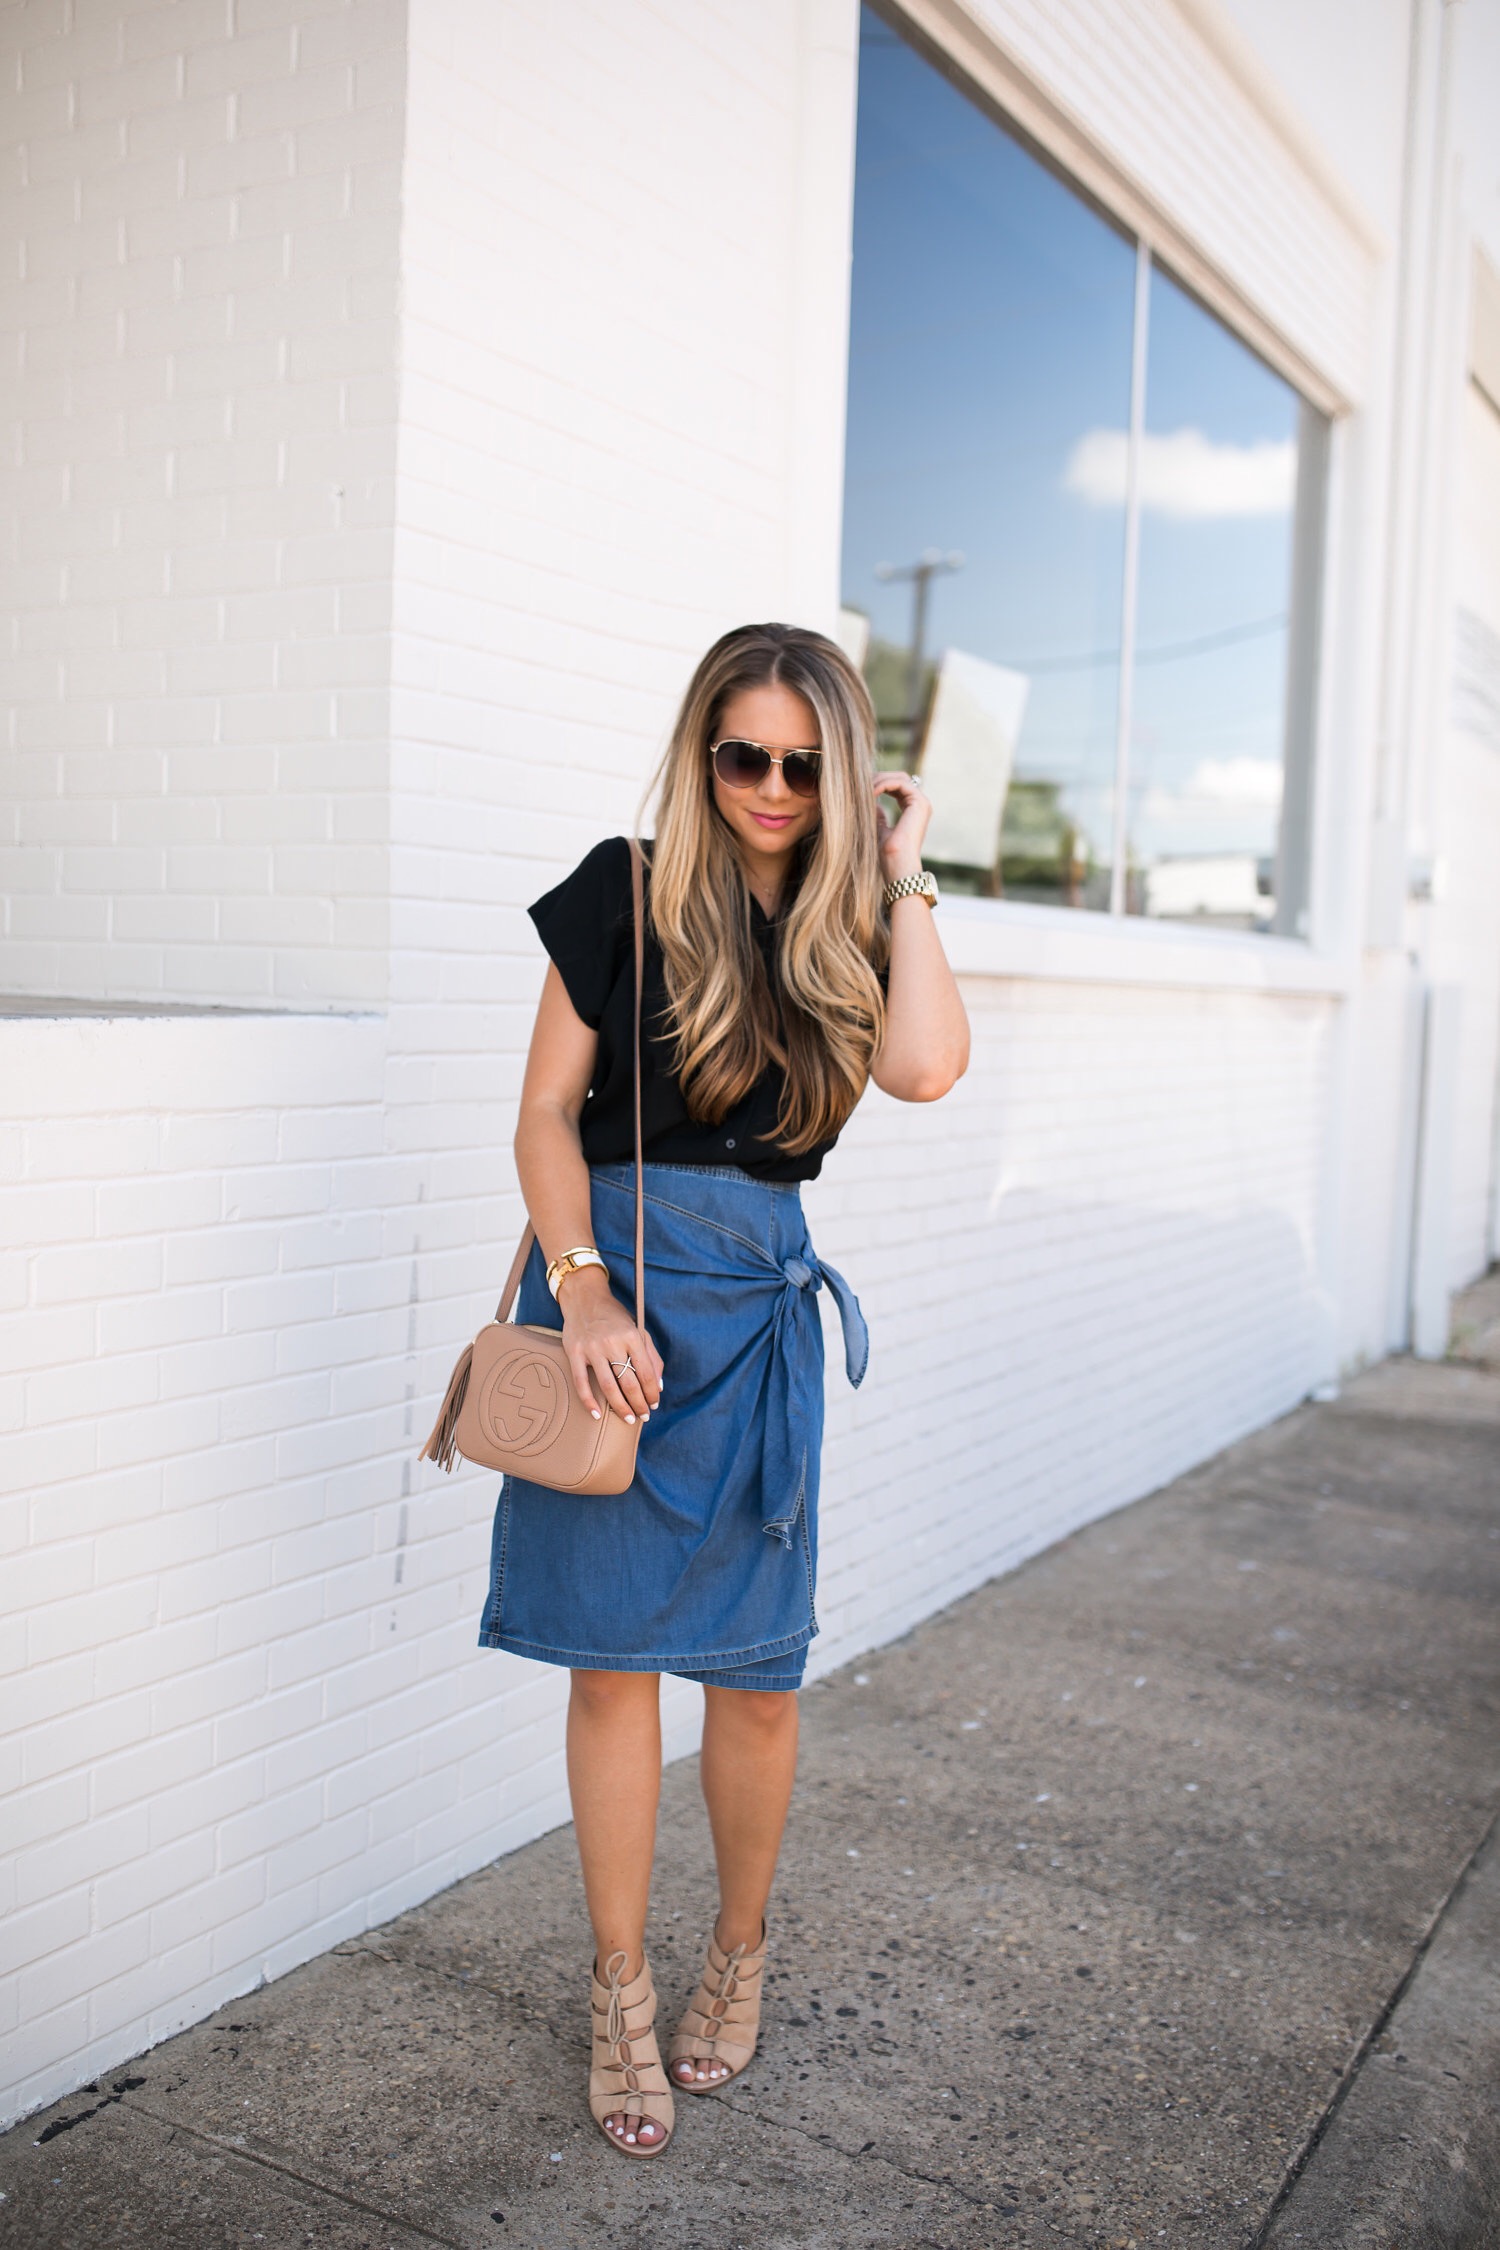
{"type": "Point", "coordinates": [990, 358]}
{"type": "Point", "coordinates": [1204, 719]}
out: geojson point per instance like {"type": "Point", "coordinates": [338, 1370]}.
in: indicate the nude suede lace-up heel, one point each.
{"type": "Point", "coordinates": [626, 2078]}
{"type": "Point", "coordinates": [721, 2026]}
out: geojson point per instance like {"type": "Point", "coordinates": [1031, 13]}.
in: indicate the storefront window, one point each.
{"type": "Point", "coordinates": [1047, 439]}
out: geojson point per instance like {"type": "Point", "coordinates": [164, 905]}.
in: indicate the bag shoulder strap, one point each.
{"type": "Point", "coordinates": [528, 1237]}
{"type": "Point", "coordinates": [638, 906]}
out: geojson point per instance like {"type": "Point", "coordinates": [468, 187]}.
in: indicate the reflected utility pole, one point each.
{"type": "Point", "coordinates": [931, 563]}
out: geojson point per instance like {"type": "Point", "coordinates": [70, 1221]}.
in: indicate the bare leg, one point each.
{"type": "Point", "coordinates": [614, 1776]}
{"type": "Point", "coordinates": [748, 1765]}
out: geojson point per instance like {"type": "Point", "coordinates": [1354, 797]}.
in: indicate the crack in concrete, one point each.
{"type": "Point", "coordinates": [122, 2086]}
{"type": "Point", "coordinates": [303, 2179]}
{"type": "Point", "coordinates": [740, 2107]}
{"type": "Point", "coordinates": [1362, 2052]}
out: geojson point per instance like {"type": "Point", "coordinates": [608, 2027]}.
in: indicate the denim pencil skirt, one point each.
{"type": "Point", "coordinates": [706, 1565]}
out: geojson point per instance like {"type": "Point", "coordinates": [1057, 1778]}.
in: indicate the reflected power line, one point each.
{"type": "Point", "coordinates": [1168, 653]}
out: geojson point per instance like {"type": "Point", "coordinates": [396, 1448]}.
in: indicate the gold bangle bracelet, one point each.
{"type": "Point", "coordinates": [568, 1262]}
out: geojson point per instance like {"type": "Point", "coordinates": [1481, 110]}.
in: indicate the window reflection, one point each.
{"type": "Point", "coordinates": [1218, 484]}
{"type": "Point", "coordinates": [989, 460]}
{"type": "Point", "coordinates": [990, 329]}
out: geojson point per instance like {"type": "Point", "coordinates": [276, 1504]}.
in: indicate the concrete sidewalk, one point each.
{"type": "Point", "coordinates": [1109, 1898]}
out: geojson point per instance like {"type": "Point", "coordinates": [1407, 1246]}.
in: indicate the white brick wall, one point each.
{"type": "Point", "coordinates": [198, 1560]}
{"type": "Point", "coordinates": [1092, 1266]}
{"type": "Point", "coordinates": [200, 222]}
{"type": "Point", "coordinates": [271, 750]}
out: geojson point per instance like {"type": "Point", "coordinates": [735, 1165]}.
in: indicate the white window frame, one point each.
{"type": "Point", "coordinates": [1023, 938]}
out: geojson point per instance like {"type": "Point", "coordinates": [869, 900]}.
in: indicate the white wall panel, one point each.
{"type": "Point", "coordinates": [197, 1571]}
{"type": "Point", "coordinates": [200, 277]}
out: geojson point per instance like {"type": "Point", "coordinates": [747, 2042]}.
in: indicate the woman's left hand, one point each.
{"type": "Point", "coordinates": [901, 842]}
{"type": "Point", "coordinates": [926, 1042]}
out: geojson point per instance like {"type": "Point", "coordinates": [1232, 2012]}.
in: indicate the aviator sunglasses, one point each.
{"type": "Point", "coordinates": [744, 765]}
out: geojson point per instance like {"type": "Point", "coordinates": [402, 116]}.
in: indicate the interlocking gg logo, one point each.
{"type": "Point", "coordinates": [523, 1401]}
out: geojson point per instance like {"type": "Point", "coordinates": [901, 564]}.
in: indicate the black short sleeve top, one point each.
{"type": "Point", "coordinates": [585, 924]}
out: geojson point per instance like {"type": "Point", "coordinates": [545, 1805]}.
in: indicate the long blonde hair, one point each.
{"type": "Point", "coordinates": [826, 1018]}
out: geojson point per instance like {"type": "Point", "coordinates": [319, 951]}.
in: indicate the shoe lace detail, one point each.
{"type": "Point", "coordinates": [618, 2081]}
{"type": "Point", "coordinates": [720, 2026]}
{"type": "Point", "coordinates": [616, 2030]}
{"type": "Point", "coordinates": [727, 1985]}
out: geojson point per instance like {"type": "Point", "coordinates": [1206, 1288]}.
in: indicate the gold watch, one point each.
{"type": "Point", "coordinates": [913, 886]}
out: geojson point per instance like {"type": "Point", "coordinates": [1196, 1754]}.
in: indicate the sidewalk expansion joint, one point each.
{"type": "Point", "coordinates": [226, 2147]}
{"type": "Point", "coordinates": [1362, 2052]}
{"type": "Point", "coordinates": [870, 2149]}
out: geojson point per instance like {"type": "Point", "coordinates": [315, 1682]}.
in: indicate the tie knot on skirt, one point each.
{"type": "Point", "coordinates": [706, 1566]}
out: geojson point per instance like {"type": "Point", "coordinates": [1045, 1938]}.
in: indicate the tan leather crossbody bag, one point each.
{"type": "Point", "coordinates": [510, 1403]}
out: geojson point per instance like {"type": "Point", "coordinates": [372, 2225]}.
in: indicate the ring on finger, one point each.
{"type": "Point", "coordinates": [624, 1366]}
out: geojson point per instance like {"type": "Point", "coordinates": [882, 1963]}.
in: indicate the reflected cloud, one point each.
{"type": "Point", "coordinates": [1185, 474]}
{"type": "Point", "coordinates": [1235, 781]}
{"type": "Point", "coordinates": [1222, 806]}
{"type": "Point", "coordinates": [1225, 804]}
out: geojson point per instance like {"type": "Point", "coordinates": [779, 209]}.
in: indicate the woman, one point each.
{"type": "Point", "coordinates": [791, 955]}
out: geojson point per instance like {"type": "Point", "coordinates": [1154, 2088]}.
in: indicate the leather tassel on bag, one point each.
{"type": "Point", "coordinates": [442, 1446]}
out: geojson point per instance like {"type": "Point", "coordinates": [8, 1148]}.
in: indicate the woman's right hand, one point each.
{"type": "Point", "coordinates": [598, 1336]}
